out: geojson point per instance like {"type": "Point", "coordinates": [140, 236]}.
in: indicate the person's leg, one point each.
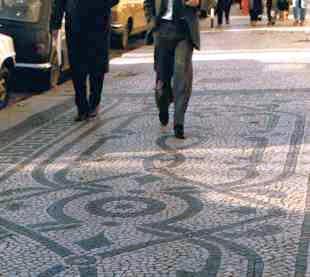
{"type": "Point", "coordinates": [182, 83]}
{"type": "Point", "coordinates": [220, 15]}
{"type": "Point", "coordinates": [286, 10]}
{"type": "Point", "coordinates": [253, 17]}
{"type": "Point", "coordinates": [302, 15]}
{"type": "Point", "coordinates": [227, 12]}
{"type": "Point", "coordinates": [269, 7]}
{"type": "Point", "coordinates": [296, 15]}
{"type": "Point", "coordinates": [164, 56]}
{"type": "Point", "coordinates": [96, 84]}
{"type": "Point", "coordinates": [79, 75]}
{"type": "Point", "coordinates": [79, 82]}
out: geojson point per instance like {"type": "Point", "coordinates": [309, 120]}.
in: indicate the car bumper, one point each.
{"type": "Point", "coordinates": [117, 29]}
{"type": "Point", "coordinates": [37, 66]}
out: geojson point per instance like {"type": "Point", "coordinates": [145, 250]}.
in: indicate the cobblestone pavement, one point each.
{"type": "Point", "coordinates": [119, 196]}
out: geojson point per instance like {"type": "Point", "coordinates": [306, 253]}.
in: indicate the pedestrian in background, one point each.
{"type": "Point", "coordinates": [175, 26]}
{"type": "Point", "coordinates": [299, 10]}
{"type": "Point", "coordinates": [223, 7]}
{"type": "Point", "coordinates": [272, 11]}
{"type": "Point", "coordinates": [256, 10]}
{"type": "Point", "coordinates": [87, 26]}
{"type": "Point", "coordinates": [283, 7]}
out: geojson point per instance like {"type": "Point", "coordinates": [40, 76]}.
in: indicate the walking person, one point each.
{"type": "Point", "coordinates": [256, 10]}
{"type": "Point", "coordinates": [272, 11]}
{"type": "Point", "coordinates": [223, 7]}
{"type": "Point", "coordinates": [299, 10]}
{"type": "Point", "coordinates": [283, 7]}
{"type": "Point", "coordinates": [87, 25]}
{"type": "Point", "coordinates": [175, 26]}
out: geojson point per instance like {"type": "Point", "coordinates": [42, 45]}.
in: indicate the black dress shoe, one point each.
{"type": "Point", "coordinates": [164, 118]}
{"type": "Point", "coordinates": [179, 131]}
{"type": "Point", "coordinates": [80, 117]}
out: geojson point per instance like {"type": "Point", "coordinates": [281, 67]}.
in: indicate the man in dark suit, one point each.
{"type": "Point", "coordinates": [88, 39]}
{"type": "Point", "coordinates": [174, 24]}
{"type": "Point", "coordinates": [223, 6]}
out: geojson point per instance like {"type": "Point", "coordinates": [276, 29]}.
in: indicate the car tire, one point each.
{"type": "Point", "coordinates": [4, 87]}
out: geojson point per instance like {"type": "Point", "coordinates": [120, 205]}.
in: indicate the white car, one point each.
{"type": "Point", "coordinates": [7, 63]}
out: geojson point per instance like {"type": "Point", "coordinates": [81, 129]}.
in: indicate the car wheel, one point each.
{"type": "Point", "coordinates": [4, 87]}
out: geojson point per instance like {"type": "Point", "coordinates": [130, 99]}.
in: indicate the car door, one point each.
{"type": "Point", "coordinates": [139, 17]}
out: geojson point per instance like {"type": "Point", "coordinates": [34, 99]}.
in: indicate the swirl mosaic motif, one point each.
{"type": "Point", "coordinates": [119, 197]}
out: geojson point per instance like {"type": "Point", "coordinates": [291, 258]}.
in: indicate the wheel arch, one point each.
{"type": "Point", "coordinates": [9, 63]}
{"type": "Point", "coordinates": [5, 84]}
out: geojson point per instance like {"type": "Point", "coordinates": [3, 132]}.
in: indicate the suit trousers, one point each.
{"type": "Point", "coordinates": [299, 13]}
{"type": "Point", "coordinates": [79, 78]}
{"type": "Point", "coordinates": [270, 6]}
{"type": "Point", "coordinates": [83, 66]}
{"type": "Point", "coordinates": [223, 6]}
{"type": "Point", "coordinates": [173, 61]}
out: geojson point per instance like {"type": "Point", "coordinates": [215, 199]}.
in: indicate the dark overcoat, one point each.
{"type": "Point", "coordinates": [88, 25]}
{"type": "Point", "coordinates": [154, 10]}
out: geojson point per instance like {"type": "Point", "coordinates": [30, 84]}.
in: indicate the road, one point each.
{"type": "Point", "coordinates": [120, 196]}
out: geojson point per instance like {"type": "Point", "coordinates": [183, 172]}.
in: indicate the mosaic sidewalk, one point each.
{"type": "Point", "coordinates": [119, 196]}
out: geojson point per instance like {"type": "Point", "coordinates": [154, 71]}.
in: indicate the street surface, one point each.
{"type": "Point", "coordinates": [120, 196]}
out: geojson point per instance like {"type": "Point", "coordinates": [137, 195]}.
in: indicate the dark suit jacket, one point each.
{"type": "Point", "coordinates": [153, 12]}
{"type": "Point", "coordinates": [78, 10]}
{"type": "Point", "coordinates": [87, 31]}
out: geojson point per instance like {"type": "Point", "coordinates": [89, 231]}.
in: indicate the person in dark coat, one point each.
{"type": "Point", "coordinates": [223, 6]}
{"type": "Point", "coordinates": [87, 25]}
{"type": "Point", "coordinates": [272, 11]}
{"type": "Point", "coordinates": [174, 25]}
{"type": "Point", "coordinates": [256, 10]}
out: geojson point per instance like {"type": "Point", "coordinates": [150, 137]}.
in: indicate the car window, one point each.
{"type": "Point", "coordinates": [20, 10]}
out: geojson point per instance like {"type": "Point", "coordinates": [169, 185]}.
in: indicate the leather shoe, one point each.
{"type": "Point", "coordinates": [164, 118]}
{"type": "Point", "coordinates": [179, 131]}
{"type": "Point", "coordinates": [80, 117]}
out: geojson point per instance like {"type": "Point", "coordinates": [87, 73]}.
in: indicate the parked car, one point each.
{"type": "Point", "coordinates": [7, 62]}
{"type": "Point", "coordinates": [28, 22]}
{"type": "Point", "coordinates": [128, 19]}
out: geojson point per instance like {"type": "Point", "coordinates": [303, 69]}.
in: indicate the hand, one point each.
{"type": "Point", "coordinates": [192, 3]}
{"type": "Point", "coordinates": [55, 34]}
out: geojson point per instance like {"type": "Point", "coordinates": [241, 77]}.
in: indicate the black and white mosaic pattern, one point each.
{"type": "Point", "coordinates": [119, 196]}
